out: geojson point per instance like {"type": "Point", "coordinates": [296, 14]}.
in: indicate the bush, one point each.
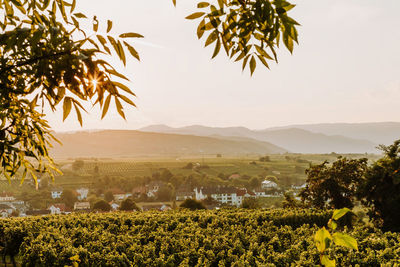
{"type": "Point", "coordinates": [102, 205]}
{"type": "Point", "coordinates": [129, 205]}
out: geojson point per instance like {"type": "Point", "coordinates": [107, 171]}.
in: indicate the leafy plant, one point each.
{"type": "Point", "coordinates": [325, 240]}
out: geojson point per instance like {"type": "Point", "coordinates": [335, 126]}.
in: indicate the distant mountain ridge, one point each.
{"type": "Point", "coordinates": [308, 138]}
{"type": "Point", "coordinates": [377, 132]}
{"type": "Point", "coordinates": [131, 143]}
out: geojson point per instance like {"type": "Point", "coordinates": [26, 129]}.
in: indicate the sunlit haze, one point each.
{"type": "Point", "coordinates": [346, 68]}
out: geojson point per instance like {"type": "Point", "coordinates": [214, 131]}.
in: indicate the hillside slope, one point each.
{"type": "Point", "coordinates": [292, 139]}
{"type": "Point", "coordinates": [126, 143]}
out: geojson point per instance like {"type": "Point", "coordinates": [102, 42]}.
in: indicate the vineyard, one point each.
{"type": "Point", "coordinates": [187, 238]}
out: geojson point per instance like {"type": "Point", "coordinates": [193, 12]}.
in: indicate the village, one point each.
{"type": "Point", "coordinates": [65, 201]}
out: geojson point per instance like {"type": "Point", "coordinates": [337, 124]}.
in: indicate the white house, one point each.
{"type": "Point", "coordinates": [114, 206]}
{"type": "Point", "coordinates": [81, 206]}
{"type": "Point", "coordinates": [56, 193]}
{"type": "Point", "coordinates": [6, 197]}
{"type": "Point", "coordinates": [260, 192]}
{"type": "Point", "coordinates": [152, 189]}
{"type": "Point", "coordinates": [266, 184]}
{"type": "Point", "coordinates": [82, 193]}
{"type": "Point", "coordinates": [5, 210]}
{"type": "Point", "coordinates": [57, 208]}
{"type": "Point", "coordinates": [224, 195]}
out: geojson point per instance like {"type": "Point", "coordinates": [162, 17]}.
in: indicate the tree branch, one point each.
{"type": "Point", "coordinates": [33, 60]}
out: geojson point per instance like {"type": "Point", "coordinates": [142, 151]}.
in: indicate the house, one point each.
{"type": "Point", "coordinates": [266, 184]}
{"type": "Point", "coordinates": [82, 206]}
{"type": "Point", "coordinates": [222, 194]}
{"type": "Point", "coordinates": [118, 194]}
{"type": "Point", "coordinates": [57, 208]}
{"type": "Point", "coordinates": [6, 197]}
{"type": "Point", "coordinates": [56, 193]}
{"type": "Point", "coordinates": [260, 192]}
{"type": "Point", "coordinates": [153, 188]}
{"type": "Point", "coordinates": [82, 193]}
{"type": "Point", "coordinates": [114, 206]}
{"type": "Point", "coordinates": [183, 193]}
{"type": "Point", "coordinates": [5, 210]}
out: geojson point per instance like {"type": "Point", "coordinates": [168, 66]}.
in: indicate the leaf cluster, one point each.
{"type": "Point", "coordinates": [248, 30]}
{"type": "Point", "coordinates": [47, 58]}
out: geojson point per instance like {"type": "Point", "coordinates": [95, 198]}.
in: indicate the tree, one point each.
{"type": "Point", "coordinates": [265, 159]}
{"type": "Point", "coordinates": [69, 198]}
{"type": "Point", "coordinates": [101, 205]}
{"type": "Point", "coordinates": [108, 196]}
{"type": "Point", "coordinates": [290, 202]}
{"type": "Point", "coordinates": [192, 204]}
{"type": "Point", "coordinates": [380, 190]}
{"type": "Point", "coordinates": [129, 205]}
{"type": "Point", "coordinates": [47, 58]}
{"type": "Point", "coordinates": [165, 193]}
{"type": "Point", "coordinates": [333, 186]}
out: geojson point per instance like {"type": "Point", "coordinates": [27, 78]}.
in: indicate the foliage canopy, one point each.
{"type": "Point", "coordinates": [47, 58]}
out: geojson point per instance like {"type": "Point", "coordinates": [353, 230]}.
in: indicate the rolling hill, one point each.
{"type": "Point", "coordinates": [129, 143]}
{"type": "Point", "coordinates": [290, 138]}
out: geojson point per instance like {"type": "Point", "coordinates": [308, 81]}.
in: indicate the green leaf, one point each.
{"type": "Point", "coordinates": [95, 24]}
{"type": "Point", "coordinates": [131, 35]}
{"type": "Point", "coordinates": [106, 106]}
{"type": "Point", "coordinates": [200, 29]}
{"type": "Point", "coordinates": [327, 262]}
{"type": "Point", "coordinates": [66, 107]}
{"type": "Point", "coordinates": [80, 16]}
{"type": "Point", "coordinates": [252, 65]}
{"type": "Point", "coordinates": [203, 5]}
{"type": "Point", "coordinates": [78, 114]}
{"type": "Point", "coordinates": [217, 48]}
{"type": "Point", "coordinates": [337, 214]}
{"type": "Point", "coordinates": [120, 109]}
{"type": "Point", "coordinates": [132, 51]}
{"type": "Point", "coordinates": [322, 239]}
{"type": "Point", "coordinates": [123, 87]}
{"type": "Point", "coordinates": [211, 38]}
{"type": "Point", "coordinates": [195, 15]}
{"type": "Point", "coordinates": [344, 240]}
{"type": "Point", "coordinates": [127, 100]}
{"type": "Point", "coordinates": [109, 25]}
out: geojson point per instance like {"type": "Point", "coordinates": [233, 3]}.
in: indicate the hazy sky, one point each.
{"type": "Point", "coordinates": [346, 68]}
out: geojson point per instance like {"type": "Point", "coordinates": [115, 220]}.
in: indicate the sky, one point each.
{"type": "Point", "coordinates": [346, 68]}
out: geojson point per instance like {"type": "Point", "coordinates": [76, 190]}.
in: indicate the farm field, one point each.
{"type": "Point", "coordinates": [188, 238]}
{"type": "Point", "coordinates": [280, 165]}
{"type": "Point", "coordinates": [242, 165]}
